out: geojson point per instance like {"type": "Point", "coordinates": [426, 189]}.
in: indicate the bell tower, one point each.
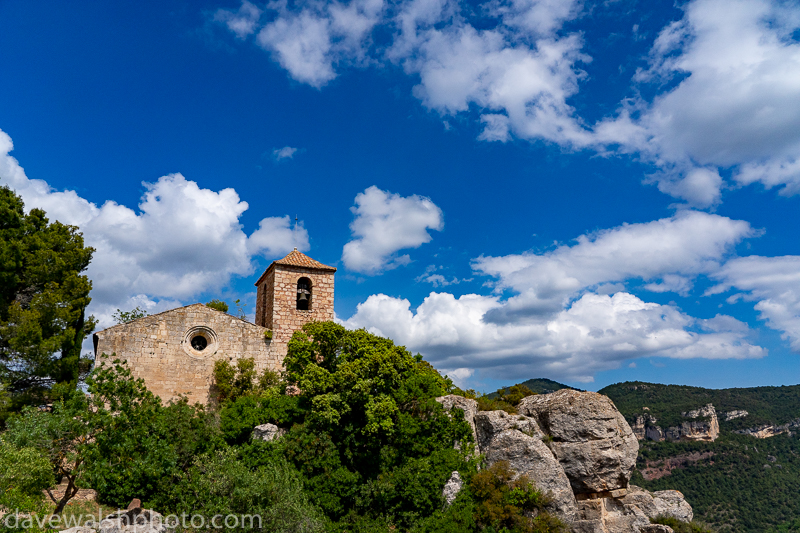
{"type": "Point", "coordinates": [293, 291]}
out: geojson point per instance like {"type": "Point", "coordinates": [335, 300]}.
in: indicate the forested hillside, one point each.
{"type": "Point", "coordinates": [538, 386]}
{"type": "Point", "coordinates": [765, 405]}
{"type": "Point", "coordinates": [737, 483]}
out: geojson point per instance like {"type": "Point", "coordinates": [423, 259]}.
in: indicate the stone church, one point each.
{"type": "Point", "coordinates": [174, 351]}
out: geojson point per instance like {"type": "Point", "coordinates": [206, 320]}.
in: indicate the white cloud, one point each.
{"type": "Point", "coordinates": [310, 42]}
{"type": "Point", "coordinates": [727, 75]}
{"type": "Point", "coordinates": [667, 253]}
{"type": "Point", "coordinates": [182, 240]}
{"type": "Point", "coordinates": [287, 152]}
{"type": "Point", "coordinates": [384, 224]}
{"type": "Point", "coordinates": [242, 22]}
{"type": "Point", "coordinates": [593, 334]}
{"type": "Point", "coordinates": [774, 284]}
{"type": "Point", "coordinates": [521, 79]}
{"type": "Point", "coordinates": [737, 106]}
{"type": "Point", "coordinates": [569, 316]}
{"type": "Point", "coordinates": [437, 280]}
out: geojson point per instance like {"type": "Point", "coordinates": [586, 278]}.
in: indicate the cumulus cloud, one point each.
{"type": "Point", "coordinates": [183, 240]}
{"type": "Point", "coordinates": [727, 88]}
{"type": "Point", "coordinates": [773, 283]}
{"type": "Point", "coordinates": [242, 22]}
{"type": "Point", "coordinates": [736, 106]}
{"type": "Point", "coordinates": [312, 40]}
{"type": "Point", "coordinates": [666, 253]}
{"type": "Point", "coordinates": [287, 152]}
{"type": "Point", "coordinates": [384, 224]}
{"type": "Point", "coordinates": [594, 333]}
{"type": "Point", "coordinates": [569, 314]}
{"type": "Point", "coordinates": [519, 70]}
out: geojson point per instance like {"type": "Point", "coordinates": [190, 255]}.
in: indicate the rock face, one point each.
{"type": "Point", "coordinates": [267, 432]}
{"type": "Point", "coordinates": [578, 448]}
{"type": "Point", "coordinates": [659, 503]}
{"type": "Point", "coordinates": [733, 415]}
{"type": "Point", "coordinates": [452, 488]}
{"type": "Point", "coordinates": [518, 440]}
{"type": "Point", "coordinates": [469, 407]}
{"type": "Point", "coordinates": [135, 520]}
{"type": "Point", "coordinates": [590, 438]}
{"type": "Point", "coordinates": [706, 429]}
{"type": "Point", "coordinates": [766, 431]}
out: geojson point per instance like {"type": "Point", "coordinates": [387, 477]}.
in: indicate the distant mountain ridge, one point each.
{"type": "Point", "coordinates": [539, 386]}
{"type": "Point", "coordinates": [764, 405]}
{"type": "Point", "coordinates": [736, 484]}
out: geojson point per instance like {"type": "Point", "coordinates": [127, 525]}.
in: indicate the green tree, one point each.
{"type": "Point", "coordinates": [365, 430]}
{"type": "Point", "coordinates": [219, 305]}
{"type": "Point", "coordinates": [220, 484]}
{"type": "Point", "coordinates": [62, 435]}
{"type": "Point", "coordinates": [24, 474]}
{"type": "Point", "coordinates": [123, 317]}
{"type": "Point", "coordinates": [43, 298]}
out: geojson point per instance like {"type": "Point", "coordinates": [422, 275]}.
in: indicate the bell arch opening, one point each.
{"type": "Point", "coordinates": [304, 294]}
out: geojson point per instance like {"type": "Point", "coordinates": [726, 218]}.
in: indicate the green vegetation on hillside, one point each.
{"type": "Point", "coordinates": [765, 405]}
{"type": "Point", "coordinates": [737, 483]}
{"type": "Point", "coordinates": [537, 386]}
{"type": "Point", "coordinates": [365, 446]}
{"type": "Point", "coordinates": [747, 485]}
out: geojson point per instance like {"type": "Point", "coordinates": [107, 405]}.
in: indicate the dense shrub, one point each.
{"type": "Point", "coordinates": [220, 484]}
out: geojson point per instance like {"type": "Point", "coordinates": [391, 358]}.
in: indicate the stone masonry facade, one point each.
{"type": "Point", "coordinates": [174, 351]}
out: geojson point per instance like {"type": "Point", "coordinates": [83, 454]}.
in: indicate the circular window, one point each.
{"type": "Point", "coordinates": [200, 341]}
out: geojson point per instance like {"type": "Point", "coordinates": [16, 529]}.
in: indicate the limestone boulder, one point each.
{"type": "Point", "coordinates": [469, 407]}
{"type": "Point", "coordinates": [135, 520]}
{"type": "Point", "coordinates": [590, 438]}
{"type": "Point", "coordinates": [518, 440]}
{"type": "Point", "coordinates": [608, 515]}
{"type": "Point", "coordinates": [267, 432]}
{"type": "Point", "coordinates": [660, 503]}
{"type": "Point", "coordinates": [656, 528]}
{"type": "Point", "coordinates": [452, 488]}
{"type": "Point", "coordinates": [489, 424]}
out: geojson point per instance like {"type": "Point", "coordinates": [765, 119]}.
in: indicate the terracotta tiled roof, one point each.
{"type": "Point", "coordinates": [299, 259]}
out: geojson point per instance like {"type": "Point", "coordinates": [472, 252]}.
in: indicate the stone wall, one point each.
{"type": "Point", "coordinates": [158, 349]}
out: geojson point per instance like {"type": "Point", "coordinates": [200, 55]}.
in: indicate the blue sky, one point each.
{"type": "Point", "coordinates": [586, 191]}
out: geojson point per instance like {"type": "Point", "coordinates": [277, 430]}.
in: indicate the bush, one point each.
{"type": "Point", "coordinates": [221, 484]}
{"type": "Point", "coordinates": [24, 474]}
{"type": "Point", "coordinates": [505, 503]}
{"type": "Point", "coordinates": [679, 526]}
{"type": "Point", "coordinates": [219, 305]}
{"type": "Point", "coordinates": [233, 382]}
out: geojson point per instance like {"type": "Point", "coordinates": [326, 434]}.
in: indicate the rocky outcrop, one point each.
{"type": "Point", "coordinates": [518, 440]}
{"type": "Point", "coordinates": [656, 469]}
{"type": "Point", "coordinates": [469, 407]}
{"type": "Point", "coordinates": [656, 528]}
{"type": "Point", "coordinates": [733, 415]}
{"type": "Point", "coordinates": [703, 426]}
{"type": "Point", "coordinates": [578, 448]}
{"type": "Point", "coordinates": [644, 427]}
{"type": "Point", "coordinates": [452, 488]}
{"type": "Point", "coordinates": [136, 520]}
{"type": "Point", "coordinates": [705, 429]}
{"type": "Point", "coordinates": [660, 503]}
{"type": "Point", "coordinates": [766, 431]}
{"type": "Point", "coordinates": [590, 438]}
{"type": "Point", "coordinates": [267, 432]}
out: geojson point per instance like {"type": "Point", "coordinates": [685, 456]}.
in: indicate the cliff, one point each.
{"type": "Point", "coordinates": [702, 425]}
{"type": "Point", "coordinates": [577, 447]}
